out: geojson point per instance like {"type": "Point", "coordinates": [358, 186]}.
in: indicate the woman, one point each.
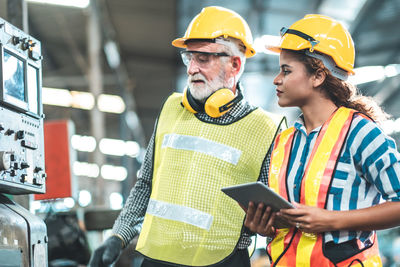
{"type": "Point", "coordinates": [336, 166]}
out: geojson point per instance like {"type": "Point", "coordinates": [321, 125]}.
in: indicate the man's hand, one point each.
{"type": "Point", "coordinates": [260, 220]}
{"type": "Point", "coordinates": [107, 253]}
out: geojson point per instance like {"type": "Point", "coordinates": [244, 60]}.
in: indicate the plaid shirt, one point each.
{"type": "Point", "coordinates": [130, 220]}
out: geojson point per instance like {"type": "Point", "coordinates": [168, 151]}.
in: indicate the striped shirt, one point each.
{"type": "Point", "coordinates": [367, 173]}
{"type": "Point", "coordinates": [129, 222]}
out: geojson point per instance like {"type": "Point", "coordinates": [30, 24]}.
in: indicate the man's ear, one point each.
{"type": "Point", "coordinates": [236, 64]}
{"type": "Point", "coordinates": [319, 78]}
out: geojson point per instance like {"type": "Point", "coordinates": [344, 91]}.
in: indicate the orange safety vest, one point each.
{"type": "Point", "coordinates": [291, 246]}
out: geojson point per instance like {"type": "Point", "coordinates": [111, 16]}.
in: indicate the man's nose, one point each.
{"type": "Point", "coordinates": [193, 67]}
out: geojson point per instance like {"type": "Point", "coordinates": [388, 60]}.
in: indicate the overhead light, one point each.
{"type": "Point", "coordinates": [113, 147]}
{"type": "Point", "coordinates": [67, 98]}
{"type": "Point", "coordinates": [367, 74]}
{"type": "Point", "coordinates": [260, 43]}
{"type": "Point", "coordinates": [374, 73]}
{"type": "Point", "coordinates": [85, 198]}
{"type": "Point", "coordinates": [112, 54]}
{"type": "Point", "coordinates": [132, 149]}
{"type": "Point", "coordinates": [82, 100]}
{"type": "Point", "coordinates": [67, 3]}
{"type": "Point", "coordinates": [110, 103]}
{"type": "Point", "coordinates": [116, 201]}
{"type": "Point", "coordinates": [108, 146]}
{"type": "Point", "coordinates": [117, 173]}
{"type": "Point", "coordinates": [83, 143]}
{"type": "Point", "coordinates": [86, 169]}
{"type": "Point", "coordinates": [116, 147]}
{"type": "Point", "coordinates": [69, 202]}
{"type": "Point", "coordinates": [56, 97]}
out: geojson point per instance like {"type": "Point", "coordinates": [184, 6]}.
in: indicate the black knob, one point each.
{"type": "Point", "coordinates": [16, 40]}
{"type": "Point", "coordinates": [10, 132]}
{"type": "Point", "coordinates": [23, 178]}
{"type": "Point", "coordinates": [24, 165]}
{"type": "Point", "coordinates": [38, 169]}
{"type": "Point", "coordinates": [1, 127]}
{"type": "Point", "coordinates": [20, 134]}
{"type": "Point", "coordinates": [25, 46]}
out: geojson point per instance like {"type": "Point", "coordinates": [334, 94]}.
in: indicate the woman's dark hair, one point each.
{"type": "Point", "coordinates": [342, 93]}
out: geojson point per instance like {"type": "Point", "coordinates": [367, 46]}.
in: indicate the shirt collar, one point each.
{"type": "Point", "coordinates": [300, 126]}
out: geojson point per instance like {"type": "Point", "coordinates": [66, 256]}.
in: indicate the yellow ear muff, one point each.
{"type": "Point", "coordinates": [217, 104]}
{"type": "Point", "coordinates": [187, 103]}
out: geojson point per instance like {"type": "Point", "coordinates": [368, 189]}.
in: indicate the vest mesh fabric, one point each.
{"type": "Point", "coordinates": [192, 175]}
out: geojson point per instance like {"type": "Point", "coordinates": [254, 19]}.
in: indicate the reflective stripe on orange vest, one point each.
{"type": "Point", "coordinates": [292, 247]}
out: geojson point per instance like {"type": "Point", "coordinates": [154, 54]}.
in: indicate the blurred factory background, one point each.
{"type": "Point", "coordinates": [108, 66]}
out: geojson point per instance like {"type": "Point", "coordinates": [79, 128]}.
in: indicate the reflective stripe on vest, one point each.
{"type": "Point", "coordinates": [201, 145]}
{"type": "Point", "coordinates": [292, 247]}
{"type": "Point", "coordinates": [189, 221]}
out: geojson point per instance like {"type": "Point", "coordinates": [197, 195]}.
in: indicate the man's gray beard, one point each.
{"type": "Point", "coordinates": [202, 92]}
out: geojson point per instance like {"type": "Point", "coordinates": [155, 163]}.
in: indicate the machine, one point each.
{"type": "Point", "coordinates": [23, 238]}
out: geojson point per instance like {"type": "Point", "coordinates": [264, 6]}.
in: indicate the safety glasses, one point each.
{"type": "Point", "coordinates": [201, 58]}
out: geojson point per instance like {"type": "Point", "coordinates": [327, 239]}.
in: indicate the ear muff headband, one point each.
{"type": "Point", "coordinates": [216, 105]}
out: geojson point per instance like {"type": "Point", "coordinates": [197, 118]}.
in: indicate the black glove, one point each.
{"type": "Point", "coordinates": [107, 253]}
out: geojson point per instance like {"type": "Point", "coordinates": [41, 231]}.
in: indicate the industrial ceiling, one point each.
{"type": "Point", "coordinates": [151, 69]}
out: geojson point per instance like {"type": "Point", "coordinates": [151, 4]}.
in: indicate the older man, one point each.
{"type": "Point", "coordinates": [205, 139]}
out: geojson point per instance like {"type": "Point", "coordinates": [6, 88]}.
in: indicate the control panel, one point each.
{"type": "Point", "coordinates": [22, 168]}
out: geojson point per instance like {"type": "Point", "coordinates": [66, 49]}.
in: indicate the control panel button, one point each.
{"type": "Point", "coordinates": [9, 132]}
{"type": "Point", "coordinates": [20, 134]}
{"type": "Point", "coordinates": [38, 169]}
{"type": "Point", "coordinates": [23, 178]}
{"type": "Point", "coordinates": [16, 40]}
{"type": "Point", "coordinates": [24, 165]}
{"type": "Point", "coordinates": [28, 144]}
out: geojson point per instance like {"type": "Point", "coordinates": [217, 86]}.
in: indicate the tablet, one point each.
{"type": "Point", "coordinates": [258, 192]}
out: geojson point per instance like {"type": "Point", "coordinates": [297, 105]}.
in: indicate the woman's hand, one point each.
{"type": "Point", "coordinates": [310, 219]}
{"type": "Point", "coordinates": [260, 219]}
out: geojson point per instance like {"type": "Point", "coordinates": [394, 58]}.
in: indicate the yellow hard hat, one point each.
{"type": "Point", "coordinates": [213, 22]}
{"type": "Point", "coordinates": [323, 34]}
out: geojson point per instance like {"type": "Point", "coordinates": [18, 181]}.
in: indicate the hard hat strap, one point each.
{"type": "Point", "coordinates": [307, 37]}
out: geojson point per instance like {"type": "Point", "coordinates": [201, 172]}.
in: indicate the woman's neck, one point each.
{"type": "Point", "coordinates": [317, 113]}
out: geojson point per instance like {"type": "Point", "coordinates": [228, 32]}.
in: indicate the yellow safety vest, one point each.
{"type": "Point", "coordinates": [189, 221]}
{"type": "Point", "coordinates": [290, 246]}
